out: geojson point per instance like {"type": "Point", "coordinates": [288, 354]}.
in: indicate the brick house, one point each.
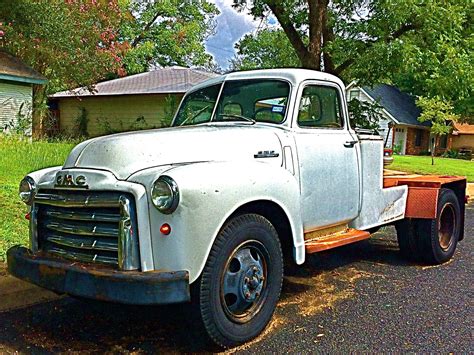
{"type": "Point", "coordinates": [143, 100]}
{"type": "Point", "coordinates": [399, 126]}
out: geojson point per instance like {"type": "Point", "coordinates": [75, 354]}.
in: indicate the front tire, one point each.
{"type": "Point", "coordinates": [241, 281]}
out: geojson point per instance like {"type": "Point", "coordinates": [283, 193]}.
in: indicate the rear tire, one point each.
{"type": "Point", "coordinates": [432, 240]}
{"type": "Point", "coordinates": [241, 281]}
{"type": "Point", "coordinates": [439, 237]}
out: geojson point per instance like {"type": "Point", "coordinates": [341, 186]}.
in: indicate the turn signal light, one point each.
{"type": "Point", "coordinates": [27, 216]}
{"type": "Point", "coordinates": [165, 229]}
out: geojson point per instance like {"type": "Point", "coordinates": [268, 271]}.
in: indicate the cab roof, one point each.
{"type": "Point", "coordinates": [294, 75]}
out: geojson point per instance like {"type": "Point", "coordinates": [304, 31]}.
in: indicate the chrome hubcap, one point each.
{"type": "Point", "coordinates": [446, 226]}
{"type": "Point", "coordinates": [243, 281]}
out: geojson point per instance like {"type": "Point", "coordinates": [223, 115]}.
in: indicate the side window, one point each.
{"type": "Point", "coordinates": [320, 107]}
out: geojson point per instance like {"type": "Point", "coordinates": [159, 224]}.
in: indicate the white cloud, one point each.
{"type": "Point", "coordinates": [231, 26]}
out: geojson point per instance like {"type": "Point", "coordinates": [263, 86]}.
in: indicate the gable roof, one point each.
{"type": "Point", "coordinates": [398, 104]}
{"type": "Point", "coordinates": [463, 128]}
{"type": "Point", "coordinates": [13, 69]}
{"type": "Point", "coordinates": [161, 81]}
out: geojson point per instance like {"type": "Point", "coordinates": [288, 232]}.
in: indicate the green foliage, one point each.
{"type": "Point", "coordinates": [21, 124]}
{"type": "Point", "coordinates": [452, 153]}
{"type": "Point", "coordinates": [364, 114]}
{"type": "Point", "coordinates": [162, 33]}
{"type": "Point", "coordinates": [171, 105]}
{"type": "Point", "coordinates": [19, 157]}
{"type": "Point", "coordinates": [263, 50]}
{"type": "Point", "coordinates": [81, 123]}
{"type": "Point", "coordinates": [73, 43]}
{"type": "Point", "coordinates": [438, 112]}
{"type": "Point", "coordinates": [397, 148]}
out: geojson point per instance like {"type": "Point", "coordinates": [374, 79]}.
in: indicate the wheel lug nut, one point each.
{"type": "Point", "coordinates": [262, 278]}
{"type": "Point", "coordinates": [247, 295]}
{"type": "Point", "coordinates": [246, 280]}
{"type": "Point", "coordinates": [255, 269]}
{"type": "Point", "coordinates": [257, 294]}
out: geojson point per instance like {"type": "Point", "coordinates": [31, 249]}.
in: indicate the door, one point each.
{"type": "Point", "coordinates": [401, 139]}
{"type": "Point", "coordinates": [328, 157]}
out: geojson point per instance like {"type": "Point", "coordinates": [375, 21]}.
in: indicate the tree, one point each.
{"type": "Point", "coordinates": [333, 36]}
{"type": "Point", "coordinates": [439, 113]}
{"type": "Point", "coordinates": [263, 50]}
{"type": "Point", "coordinates": [73, 43]}
{"type": "Point", "coordinates": [163, 33]}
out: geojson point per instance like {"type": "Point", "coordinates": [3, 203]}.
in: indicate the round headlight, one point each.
{"type": "Point", "coordinates": [27, 190]}
{"type": "Point", "coordinates": [165, 194]}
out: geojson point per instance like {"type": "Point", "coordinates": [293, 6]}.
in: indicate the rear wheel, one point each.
{"type": "Point", "coordinates": [241, 282]}
{"type": "Point", "coordinates": [439, 237]}
{"type": "Point", "coordinates": [432, 240]}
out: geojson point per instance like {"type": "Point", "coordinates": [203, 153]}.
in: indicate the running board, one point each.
{"type": "Point", "coordinates": [335, 240]}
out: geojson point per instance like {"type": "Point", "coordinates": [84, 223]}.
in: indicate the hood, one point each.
{"type": "Point", "coordinates": [126, 153]}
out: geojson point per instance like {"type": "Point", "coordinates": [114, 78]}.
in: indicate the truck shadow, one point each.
{"type": "Point", "coordinates": [73, 325]}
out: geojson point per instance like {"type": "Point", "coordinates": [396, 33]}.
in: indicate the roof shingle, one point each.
{"type": "Point", "coordinates": [399, 104]}
{"type": "Point", "coordinates": [161, 81]}
{"type": "Point", "coordinates": [12, 68]}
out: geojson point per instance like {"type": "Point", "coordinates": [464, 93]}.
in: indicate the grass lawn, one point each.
{"type": "Point", "coordinates": [17, 158]}
{"type": "Point", "coordinates": [442, 166]}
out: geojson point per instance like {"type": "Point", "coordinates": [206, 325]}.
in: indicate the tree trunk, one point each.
{"type": "Point", "coordinates": [433, 149]}
{"type": "Point", "coordinates": [39, 110]}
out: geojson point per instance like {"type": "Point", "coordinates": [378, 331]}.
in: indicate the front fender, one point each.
{"type": "Point", "coordinates": [210, 193]}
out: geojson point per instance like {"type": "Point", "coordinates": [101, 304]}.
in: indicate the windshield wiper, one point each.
{"type": "Point", "coordinates": [231, 115]}
{"type": "Point", "coordinates": [191, 119]}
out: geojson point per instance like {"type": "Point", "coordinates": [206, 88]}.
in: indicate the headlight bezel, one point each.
{"type": "Point", "coordinates": [172, 186]}
{"type": "Point", "coordinates": [30, 193]}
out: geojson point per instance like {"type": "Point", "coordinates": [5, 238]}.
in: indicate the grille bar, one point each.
{"type": "Point", "coordinates": [83, 216]}
{"type": "Point", "coordinates": [83, 243]}
{"type": "Point", "coordinates": [90, 200]}
{"type": "Point", "coordinates": [82, 256]}
{"type": "Point", "coordinates": [92, 230]}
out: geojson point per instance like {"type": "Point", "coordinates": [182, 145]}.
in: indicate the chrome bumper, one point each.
{"type": "Point", "coordinates": [101, 283]}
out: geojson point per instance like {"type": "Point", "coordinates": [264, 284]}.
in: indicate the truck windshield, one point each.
{"type": "Point", "coordinates": [240, 100]}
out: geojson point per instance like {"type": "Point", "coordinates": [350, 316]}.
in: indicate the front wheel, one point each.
{"type": "Point", "coordinates": [241, 282]}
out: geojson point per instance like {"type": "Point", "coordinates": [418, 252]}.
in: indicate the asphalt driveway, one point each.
{"type": "Point", "coordinates": [362, 297]}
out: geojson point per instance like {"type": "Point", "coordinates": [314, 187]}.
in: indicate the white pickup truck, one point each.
{"type": "Point", "coordinates": [258, 167]}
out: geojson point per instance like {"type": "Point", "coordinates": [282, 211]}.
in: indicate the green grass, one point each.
{"type": "Point", "coordinates": [442, 166]}
{"type": "Point", "coordinates": [17, 158]}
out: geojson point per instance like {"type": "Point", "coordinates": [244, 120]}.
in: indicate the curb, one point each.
{"type": "Point", "coordinates": [15, 293]}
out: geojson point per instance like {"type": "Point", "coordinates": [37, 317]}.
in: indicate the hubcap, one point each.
{"type": "Point", "coordinates": [244, 281]}
{"type": "Point", "coordinates": [446, 226]}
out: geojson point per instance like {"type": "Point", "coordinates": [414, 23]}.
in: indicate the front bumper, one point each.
{"type": "Point", "coordinates": [101, 283]}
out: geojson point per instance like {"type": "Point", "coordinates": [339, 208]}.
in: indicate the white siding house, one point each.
{"type": "Point", "coordinates": [16, 91]}
{"type": "Point", "coordinates": [398, 111]}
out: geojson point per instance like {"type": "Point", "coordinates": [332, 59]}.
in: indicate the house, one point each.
{"type": "Point", "coordinates": [399, 127]}
{"type": "Point", "coordinates": [143, 100]}
{"type": "Point", "coordinates": [16, 93]}
{"type": "Point", "coordinates": [462, 137]}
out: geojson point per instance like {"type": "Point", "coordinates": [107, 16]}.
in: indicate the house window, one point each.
{"type": "Point", "coordinates": [443, 141]}
{"type": "Point", "coordinates": [418, 137]}
{"type": "Point", "coordinates": [353, 94]}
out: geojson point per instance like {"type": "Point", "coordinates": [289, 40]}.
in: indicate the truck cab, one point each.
{"type": "Point", "coordinates": [257, 168]}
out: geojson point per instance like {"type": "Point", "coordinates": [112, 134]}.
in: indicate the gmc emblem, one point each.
{"type": "Point", "coordinates": [68, 180]}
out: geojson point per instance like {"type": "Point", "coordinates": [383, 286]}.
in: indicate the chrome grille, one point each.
{"type": "Point", "coordinates": [87, 226]}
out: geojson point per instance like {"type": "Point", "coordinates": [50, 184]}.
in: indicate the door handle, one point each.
{"type": "Point", "coordinates": [350, 144]}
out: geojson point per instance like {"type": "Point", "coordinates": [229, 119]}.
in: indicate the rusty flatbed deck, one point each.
{"type": "Point", "coordinates": [414, 180]}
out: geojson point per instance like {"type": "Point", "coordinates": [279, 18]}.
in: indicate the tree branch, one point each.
{"type": "Point", "coordinates": [397, 34]}
{"type": "Point", "coordinates": [145, 29]}
{"type": "Point", "coordinates": [290, 31]}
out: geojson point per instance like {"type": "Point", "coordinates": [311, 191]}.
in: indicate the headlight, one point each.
{"type": "Point", "coordinates": [165, 194]}
{"type": "Point", "coordinates": [27, 190]}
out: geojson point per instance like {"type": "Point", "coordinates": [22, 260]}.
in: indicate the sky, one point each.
{"type": "Point", "coordinates": [231, 26]}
